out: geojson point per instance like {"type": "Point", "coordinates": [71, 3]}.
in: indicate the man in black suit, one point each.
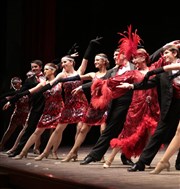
{"type": "Point", "coordinates": [36, 103]}
{"type": "Point", "coordinates": [116, 114]}
{"type": "Point", "coordinates": [170, 111]}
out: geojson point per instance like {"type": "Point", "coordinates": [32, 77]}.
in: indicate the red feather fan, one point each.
{"type": "Point", "coordinates": [128, 44]}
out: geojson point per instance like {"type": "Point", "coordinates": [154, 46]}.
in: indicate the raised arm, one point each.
{"type": "Point", "coordinates": [91, 50]}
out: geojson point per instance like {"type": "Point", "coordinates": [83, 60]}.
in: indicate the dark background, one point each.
{"type": "Point", "coordinates": [46, 29]}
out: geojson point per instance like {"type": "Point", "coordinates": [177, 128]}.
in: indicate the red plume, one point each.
{"type": "Point", "coordinates": [128, 44]}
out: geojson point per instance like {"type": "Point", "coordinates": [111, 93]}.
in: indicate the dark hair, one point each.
{"type": "Point", "coordinates": [173, 49]}
{"type": "Point", "coordinates": [38, 62]}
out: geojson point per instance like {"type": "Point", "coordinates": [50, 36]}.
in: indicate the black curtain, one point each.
{"type": "Point", "coordinates": [28, 33]}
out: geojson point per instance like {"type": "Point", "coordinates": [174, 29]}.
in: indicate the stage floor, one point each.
{"type": "Point", "coordinates": [36, 174]}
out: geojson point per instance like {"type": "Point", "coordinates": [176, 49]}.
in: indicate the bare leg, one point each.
{"type": "Point", "coordinates": [36, 146]}
{"type": "Point", "coordinates": [32, 139]}
{"type": "Point", "coordinates": [78, 129]}
{"type": "Point", "coordinates": [173, 146]}
{"type": "Point", "coordinates": [17, 140]}
{"type": "Point", "coordinates": [8, 133]}
{"type": "Point", "coordinates": [79, 140]}
{"type": "Point", "coordinates": [170, 151]}
{"type": "Point", "coordinates": [54, 141]}
{"type": "Point", "coordinates": [110, 159]}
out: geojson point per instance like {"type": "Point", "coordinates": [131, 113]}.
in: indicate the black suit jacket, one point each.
{"type": "Point", "coordinates": [164, 88]}
{"type": "Point", "coordinates": [37, 99]}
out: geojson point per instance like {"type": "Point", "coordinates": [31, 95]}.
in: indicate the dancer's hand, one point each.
{"type": "Point", "coordinates": [6, 106]}
{"type": "Point", "coordinates": [125, 86]}
{"type": "Point", "coordinates": [76, 90]}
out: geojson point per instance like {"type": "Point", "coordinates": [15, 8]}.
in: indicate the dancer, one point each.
{"type": "Point", "coordinates": [20, 112]}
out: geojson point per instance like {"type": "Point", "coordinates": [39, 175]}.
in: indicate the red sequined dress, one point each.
{"type": "Point", "coordinates": [75, 105]}
{"type": "Point", "coordinates": [20, 112]}
{"type": "Point", "coordinates": [54, 105]}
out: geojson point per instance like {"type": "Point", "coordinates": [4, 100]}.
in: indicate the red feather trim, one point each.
{"type": "Point", "coordinates": [128, 44]}
{"type": "Point", "coordinates": [101, 94]}
{"type": "Point", "coordinates": [133, 145]}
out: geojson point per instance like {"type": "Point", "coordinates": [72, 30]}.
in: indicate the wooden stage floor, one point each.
{"type": "Point", "coordinates": [51, 174]}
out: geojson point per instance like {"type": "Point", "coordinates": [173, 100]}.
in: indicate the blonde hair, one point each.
{"type": "Point", "coordinates": [105, 58]}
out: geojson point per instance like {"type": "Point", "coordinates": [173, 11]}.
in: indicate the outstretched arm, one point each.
{"type": "Point", "coordinates": [175, 66]}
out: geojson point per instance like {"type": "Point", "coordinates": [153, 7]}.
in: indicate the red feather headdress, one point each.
{"type": "Point", "coordinates": [128, 44]}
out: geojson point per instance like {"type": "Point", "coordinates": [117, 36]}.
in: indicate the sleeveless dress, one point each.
{"type": "Point", "coordinates": [75, 105]}
{"type": "Point", "coordinates": [54, 105]}
{"type": "Point", "coordinates": [21, 110]}
{"type": "Point", "coordinates": [95, 117]}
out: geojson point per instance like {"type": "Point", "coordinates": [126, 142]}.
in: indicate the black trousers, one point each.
{"type": "Point", "coordinates": [114, 125]}
{"type": "Point", "coordinates": [164, 132]}
{"type": "Point", "coordinates": [32, 122]}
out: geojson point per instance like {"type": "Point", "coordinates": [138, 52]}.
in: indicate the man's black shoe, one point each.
{"type": "Point", "coordinates": [87, 160]}
{"type": "Point", "coordinates": [177, 166]}
{"type": "Point", "coordinates": [13, 154]}
{"type": "Point", "coordinates": [125, 160]}
{"type": "Point", "coordinates": [136, 167]}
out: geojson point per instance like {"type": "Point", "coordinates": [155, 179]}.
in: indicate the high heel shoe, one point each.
{"type": "Point", "coordinates": [20, 156]}
{"type": "Point", "coordinates": [54, 155]}
{"type": "Point", "coordinates": [160, 166]}
{"type": "Point", "coordinates": [107, 164]}
{"type": "Point", "coordinates": [70, 157]}
{"type": "Point", "coordinates": [9, 152]}
{"type": "Point", "coordinates": [41, 156]}
{"type": "Point", "coordinates": [36, 151]}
